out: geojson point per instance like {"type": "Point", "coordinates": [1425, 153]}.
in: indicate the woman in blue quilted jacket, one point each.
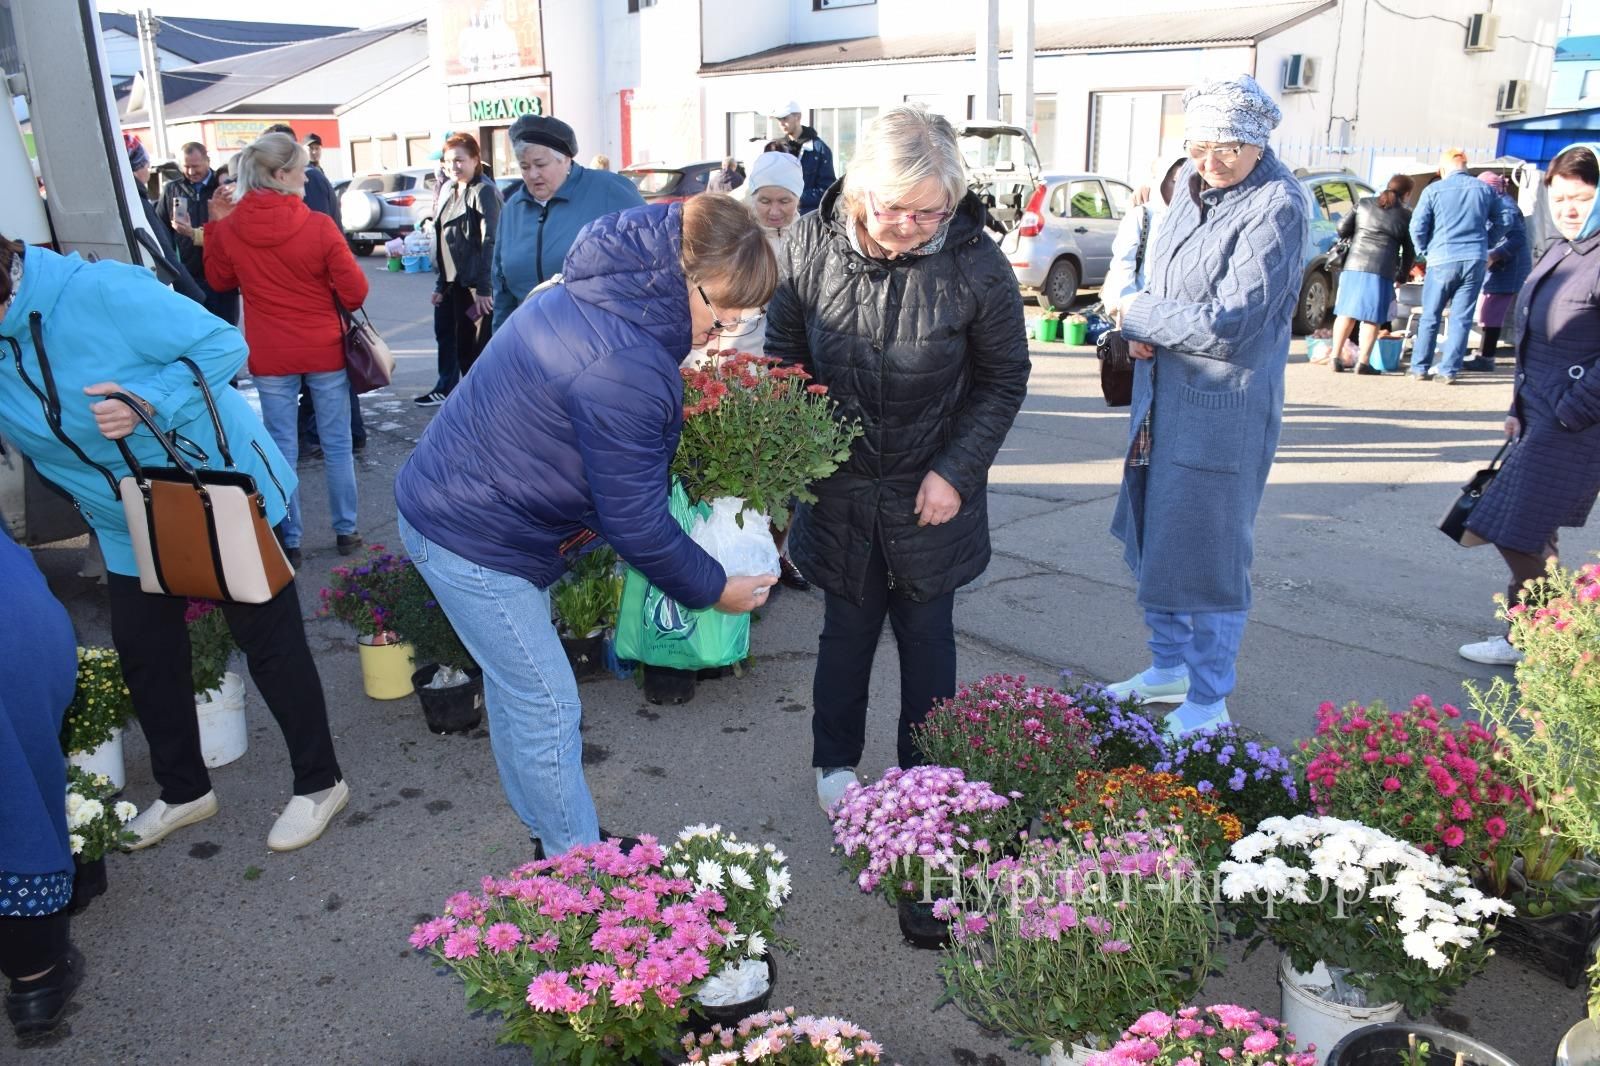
{"type": "Point", "coordinates": [561, 436]}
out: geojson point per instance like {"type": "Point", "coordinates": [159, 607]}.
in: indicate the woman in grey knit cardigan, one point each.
{"type": "Point", "coordinates": [1210, 331]}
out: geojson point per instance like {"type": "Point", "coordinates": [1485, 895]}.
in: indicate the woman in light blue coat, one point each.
{"type": "Point", "coordinates": [71, 334]}
{"type": "Point", "coordinates": [1210, 331]}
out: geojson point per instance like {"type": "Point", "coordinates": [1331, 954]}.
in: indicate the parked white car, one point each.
{"type": "Point", "coordinates": [1062, 242]}
{"type": "Point", "coordinates": [376, 208]}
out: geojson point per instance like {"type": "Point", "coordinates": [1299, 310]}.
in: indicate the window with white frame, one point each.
{"type": "Point", "coordinates": [1130, 131]}
{"type": "Point", "coordinates": [748, 131]}
{"type": "Point", "coordinates": [841, 127]}
{"type": "Point", "coordinates": [1591, 85]}
{"type": "Point", "coordinates": [1044, 128]}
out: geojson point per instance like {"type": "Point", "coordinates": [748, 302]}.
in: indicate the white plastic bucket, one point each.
{"type": "Point", "coordinates": [105, 760]}
{"type": "Point", "coordinates": [223, 736]}
{"type": "Point", "coordinates": [1314, 1020]}
{"type": "Point", "coordinates": [1074, 1054]}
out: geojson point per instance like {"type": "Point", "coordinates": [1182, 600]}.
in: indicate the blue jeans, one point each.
{"type": "Point", "coordinates": [1456, 285]}
{"type": "Point", "coordinates": [528, 688]}
{"type": "Point", "coordinates": [1207, 642]}
{"type": "Point", "coordinates": [330, 391]}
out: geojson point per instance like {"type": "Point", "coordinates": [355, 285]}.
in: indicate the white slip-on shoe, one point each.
{"type": "Point", "coordinates": [1496, 651]}
{"type": "Point", "coordinates": [831, 785]}
{"type": "Point", "coordinates": [157, 820]}
{"type": "Point", "coordinates": [1165, 692]}
{"type": "Point", "coordinates": [304, 821]}
{"type": "Point", "coordinates": [1193, 718]}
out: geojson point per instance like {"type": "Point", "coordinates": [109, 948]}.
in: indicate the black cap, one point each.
{"type": "Point", "coordinates": [314, 138]}
{"type": "Point", "coordinates": [550, 132]}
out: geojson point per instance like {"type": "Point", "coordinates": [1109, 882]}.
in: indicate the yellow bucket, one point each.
{"type": "Point", "coordinates": [385, 669]}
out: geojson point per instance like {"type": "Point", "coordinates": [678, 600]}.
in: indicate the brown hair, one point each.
{"type": "Point", "coordinates": [1400, 187]}
{"type": "Point", "coordinates": [725, 251]}
{"type": "Point", "coordinates": [1577, 163]}
{"type": "Point", "coordinates": [195, 146]}
{"type": "Point", "coordinates": [9, 250]}
{"type": "Point", "coordinates": [463, 140]}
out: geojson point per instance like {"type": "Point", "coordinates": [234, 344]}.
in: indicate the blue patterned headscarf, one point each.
{"type": "Point", "coordinates": [1591, 225]}
{"type": "Point", "coordinates": [1229, 109]}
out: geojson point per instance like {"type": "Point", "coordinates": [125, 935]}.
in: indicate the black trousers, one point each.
{"type": "Point", "coordinates": [461, 340]}
{"type": "Point", "coordinates": [153, 643]}
{"type": "Point", "coordinates": [30, 946]}
{"type": "Point", "coordinates": [925, 635]}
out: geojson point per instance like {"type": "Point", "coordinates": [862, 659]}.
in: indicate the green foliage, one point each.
{"type": "Point", "coordinates": [100, 706]}
{"type": "Point", "coordinates": [363, 595]}
{"type": "Point", "coordinates": [419, 620]}
{"type": "Point", "coordinates": [585, 600]}
{"type": "Point", "coordinates": [754, 429]}
{"type": "Point", "coordinates": [210, 645]}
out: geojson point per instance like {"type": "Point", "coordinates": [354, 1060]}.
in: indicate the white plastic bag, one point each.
{"type": "Point", "coordinates": [743, 552]}
{"type": "Point", "coordinates": [738, 982]}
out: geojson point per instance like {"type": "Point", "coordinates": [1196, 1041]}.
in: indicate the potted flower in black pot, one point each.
{"type": "Point", "coordinates": [447, 680]}
{"type": "Point", "coordinates": [584, 603]}
{"type": "Point", "coordinates": [95, 822]}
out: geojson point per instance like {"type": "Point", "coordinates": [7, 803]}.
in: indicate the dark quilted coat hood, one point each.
{"type": "Point", "coordinates": [931, 354]}
{"type": "Point", "coordinates": [569, 419]}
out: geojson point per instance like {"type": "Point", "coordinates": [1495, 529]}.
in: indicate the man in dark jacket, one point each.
{"type": "Point", "coordinates": [182, 280]}
{"type": "Point", "coordinates": [186, 206]}
{"type": "Point", "coordinates": [727, 179]}
{"type": "Point", "coordinates": [816, 160]}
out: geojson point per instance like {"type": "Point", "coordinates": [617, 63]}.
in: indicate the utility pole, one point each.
{"type": "Point", "coordinates": [986, 102]}
{"type": "Point", "coordinates": [155, 106]}
{"type": "Point", "coordinates": [1022, 65]}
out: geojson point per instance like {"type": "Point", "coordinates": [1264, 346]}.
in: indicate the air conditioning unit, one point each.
{"type": "Point", "coordinates": [1299, 74]}
{"type": "Point", "coordinates": [1482, 31]}
{"type": "Point", "coordinates": [1512, 99]}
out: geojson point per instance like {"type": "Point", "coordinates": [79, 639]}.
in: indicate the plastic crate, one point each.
{"type": "Point", "coordinates": [1560, 944]}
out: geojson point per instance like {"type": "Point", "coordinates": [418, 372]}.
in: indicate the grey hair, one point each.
{"type": "Point", "coordinates": [258, 161]}
{"type": "Point", "coordinates": [900, 148]}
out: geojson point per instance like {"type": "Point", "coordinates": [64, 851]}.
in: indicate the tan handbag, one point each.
{"type": "Point", "coordinates": [199, 532]}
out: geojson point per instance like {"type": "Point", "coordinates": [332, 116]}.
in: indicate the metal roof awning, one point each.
{"type": "Point", "coordinates": [1540, 138]}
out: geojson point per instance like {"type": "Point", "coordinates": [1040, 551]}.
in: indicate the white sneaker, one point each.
{"type": "Point", "coordinates": [1193, 718]}
{"type": "Point", "coordinates": [1496, 651]}
{"type": "Point", "coordinates": [1165, 692]}
{"type": "Point", "coordinates": [157, 820]}
{"type": "Point", "coordinates": [831, 788]}
{"type": "Point", "coordinates": [303, 821]}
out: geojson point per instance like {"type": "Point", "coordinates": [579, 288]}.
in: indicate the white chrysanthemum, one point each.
{"type": "Point", "coordinates": [756, 946]}
{"type": "Point", "coordinates": [707, 874]}
{"type": "Point", "coordinates": [74, 801]}
{"type": "Point", "coordinates": [92, 809]}
{"type": "Point", "coordinates": [739, 877]}
{"type": "Point", "coordinates": [778, 881]}
{"type": "Point", "coordinates": [1420, 946]}
{"type": "Point", "coordinates": [696, 832]}
{"type": "Point", "coordinates": [76, 843]}
{"type": "Point", "coordinates": [678, 870]}
{"type": "Point", "coordinates": [126, 812]}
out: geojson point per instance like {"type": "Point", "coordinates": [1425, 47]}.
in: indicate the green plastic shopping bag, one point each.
{"type": "Point", "coordinates": [655, 629]}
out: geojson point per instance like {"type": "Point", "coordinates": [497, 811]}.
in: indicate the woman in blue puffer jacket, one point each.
{"type": "Point", "coordinates": [562, 434]}
{"type": "Point", "coordinates": [71, 334]}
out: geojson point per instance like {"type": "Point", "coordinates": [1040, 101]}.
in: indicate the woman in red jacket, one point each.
{"type": "Point", "coordinates": [291, 263]}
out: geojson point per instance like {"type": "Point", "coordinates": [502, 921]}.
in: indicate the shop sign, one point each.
{"type": "Point", "coordinates": [504, 108]}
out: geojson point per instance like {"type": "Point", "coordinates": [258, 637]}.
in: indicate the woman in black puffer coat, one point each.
{"type": "Point", "coordinates": [897, 301]}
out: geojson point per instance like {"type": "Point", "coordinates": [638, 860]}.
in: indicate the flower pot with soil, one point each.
{"type": "Point", "coordinates": [584, 603]}
{"type": "Point", "coordinates": [91, 732]}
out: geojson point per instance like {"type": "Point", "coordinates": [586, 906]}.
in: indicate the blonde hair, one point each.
{"type": "Point", "coordinates": [899, 149]}
{"type": "Point", "coordinates": [258, 162]}
{"type": "Point", "coordinates": [725, 250]}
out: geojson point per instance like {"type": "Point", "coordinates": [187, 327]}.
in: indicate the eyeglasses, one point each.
{"type": "Point", "coordinates": [738, 327]}
{"type": "Point", "coordinates": [1222, 153]}
{"type": "Point", "coordinates": [916, 218]}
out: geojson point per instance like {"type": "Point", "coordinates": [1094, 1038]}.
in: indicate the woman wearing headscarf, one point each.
{"type": "Point", "coordinates": [894, 299]}
{"type": "Point", "coordinates": [1210, 333]}
{"type": "Point", "coordinates": [540, 220]}
{"type": "Point", "coordinates": [1552, 474]}
{"type": "Point", "coordinates": [1509, 264]}
{"type": "Point", "coordinates": [1379, 232]}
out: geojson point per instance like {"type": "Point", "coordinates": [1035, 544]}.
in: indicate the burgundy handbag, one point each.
{"type": "Point", "coordinates": [367, 357]}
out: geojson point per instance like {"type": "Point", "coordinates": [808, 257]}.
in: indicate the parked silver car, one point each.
{"type": "Point", "coordinates": [379, 207]}
{"type": "Point", "coordinates": [1062, 242]}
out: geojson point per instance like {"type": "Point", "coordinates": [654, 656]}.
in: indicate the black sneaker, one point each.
{"type": "Point", "coordinates": [432, 399]}
{"type": "Point", "coordinates": [1368, 368]}
{"type": "Point", "coordinates": [1478, 363]}
{"type": "Point", "coordinates": [348, 543]}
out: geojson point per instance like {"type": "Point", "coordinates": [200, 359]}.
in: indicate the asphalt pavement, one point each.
{"type": "Point", "coordinates": [211, 949]}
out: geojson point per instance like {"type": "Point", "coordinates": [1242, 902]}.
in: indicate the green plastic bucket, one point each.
{"type": "Point", "coordinates": [1075, 332]}
{"type": "Point", "coordinates": [1049, 329]}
